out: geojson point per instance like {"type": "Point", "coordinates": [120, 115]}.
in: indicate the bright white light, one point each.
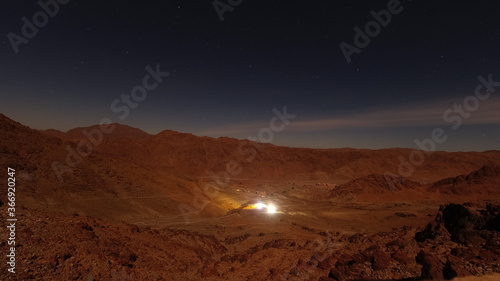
{"type": "Point", "coordinates": [271, 209]}
{"type": "Point", "coordinates": [260, 206]}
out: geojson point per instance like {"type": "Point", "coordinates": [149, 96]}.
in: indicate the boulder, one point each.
{"type": "Point", "coordinates": [432, 267]}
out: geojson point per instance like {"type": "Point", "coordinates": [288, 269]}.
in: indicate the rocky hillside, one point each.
{"type": "Point", "coordinates": [190, 155]}
{"type": "Point", "coordinates": [373, 184]}
{"type": "Point", "coordinates": [485, 180]}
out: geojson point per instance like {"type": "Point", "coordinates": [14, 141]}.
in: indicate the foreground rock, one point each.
{"type": "Point", "coordinates": [462, 240]}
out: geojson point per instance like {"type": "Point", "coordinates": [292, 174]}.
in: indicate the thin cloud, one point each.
{"type": "Point", "coordinates": [430, 114]}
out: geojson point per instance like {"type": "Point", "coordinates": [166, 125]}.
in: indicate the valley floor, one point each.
{"type": "Point", "coordinates": [308, 238]}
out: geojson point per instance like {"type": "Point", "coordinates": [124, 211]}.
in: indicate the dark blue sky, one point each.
{"type": "Point", "coordinates": [226, 77]}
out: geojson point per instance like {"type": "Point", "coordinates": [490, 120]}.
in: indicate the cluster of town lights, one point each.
{"type": "Point", "coordinates": [270, 208]}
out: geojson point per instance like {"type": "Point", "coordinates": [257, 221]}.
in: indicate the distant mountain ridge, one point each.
{"type": "Point", "coordinates": [186, 154]}
{"type": "Point", "coordinates": [119, 131]}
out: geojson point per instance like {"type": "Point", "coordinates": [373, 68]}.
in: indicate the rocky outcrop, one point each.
{"type": "Point", "coordinates": [483, 180]}
{"type": "Point", "coordinates": [463, 224]}
{"type": "Point", "coordinates": [373, 184]}
{"type": "Point", "coordinates": [462, 240]}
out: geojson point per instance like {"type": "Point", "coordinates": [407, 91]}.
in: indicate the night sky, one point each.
{"type": "Point", "coordinates": [227, 76]}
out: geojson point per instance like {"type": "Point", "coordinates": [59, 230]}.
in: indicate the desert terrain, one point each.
{"type": "Point", "coordinates": [128, 205]}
